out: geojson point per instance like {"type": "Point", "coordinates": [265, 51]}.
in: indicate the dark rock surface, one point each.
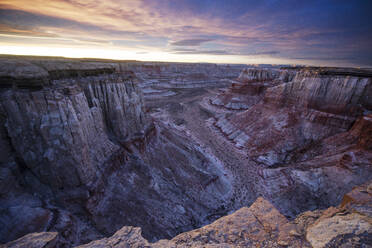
{"type": "Point", "coordinates": [262, 225]}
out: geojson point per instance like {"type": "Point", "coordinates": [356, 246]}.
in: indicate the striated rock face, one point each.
{"type": "Point", "coordinates": [169, 187]}
{"type": "Point", "coordinates": [56, 123]}
{"type": "Point", "coordinates": [331, 94]}
{"type": "Point", "coordinates": [250, 87]}
{"type": "Point", "coordinates": [240, 96]}
{"type": "Point", "coordinates": [171, 80]}
{"type": "Point", "coordinates": [261, 74]}
{"type": "Point", "coordinates": [308, 109]}
{"type": "Point", "coordinates": [121, 104]}
{"type": "Point", "coordinates": [81, 157]}
{"type": "Point", "coordinates": [309, 137]}
{"type": "Point", "coordinates": [251, 74]}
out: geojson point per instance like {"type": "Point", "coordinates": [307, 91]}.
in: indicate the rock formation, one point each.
{"type": "Point", "coordinates": [249, 88]}
{"type": "Point", "coordinates": [84, 153]}
{"type": "Point", "coordinates": [305, 135]}
{"type": "Point", "coordinates": [259, 74]}
{"type": "Point", "coordinates": [80, 156]}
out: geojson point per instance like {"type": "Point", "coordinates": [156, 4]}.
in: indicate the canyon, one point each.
{"type": "Point", "coordinates": [99, 153]}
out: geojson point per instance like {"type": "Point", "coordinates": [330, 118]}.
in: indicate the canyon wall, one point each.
{"type": "Point", "coordinates": [304, 135]}
{"type": "Point", "coordinates": [300, 112]}
{"type": "Point", "coordinates": [250, 87]}
{"type": "Point", "coordinates": [80, 156]}
{"type": "Point", "coordinates": [259, 74]}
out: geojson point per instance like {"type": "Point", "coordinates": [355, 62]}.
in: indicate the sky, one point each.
{"type": "Point", "coordinates": [311, 32]}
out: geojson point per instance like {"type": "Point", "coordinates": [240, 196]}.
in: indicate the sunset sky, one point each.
{"type": "Point", "coordinates": [315, 32]}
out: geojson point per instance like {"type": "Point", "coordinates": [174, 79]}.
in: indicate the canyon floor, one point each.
{"type": "Point", "coordinates": [103, 153]}
{"type": "Point", "coordinates": [191, 113]}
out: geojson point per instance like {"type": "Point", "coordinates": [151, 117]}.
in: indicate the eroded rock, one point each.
{"type": "Point", "coordinates": [35, 240]}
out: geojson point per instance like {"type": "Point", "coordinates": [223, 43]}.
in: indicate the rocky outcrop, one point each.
{"type": "Point", "coordinates": [35, 240]}
{"type": "Point", "coordinates": [348, 225]}
{"type": "Point", "coordinates": [262, 225]}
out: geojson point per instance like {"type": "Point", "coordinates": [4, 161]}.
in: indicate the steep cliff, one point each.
{"type": "Point", "coordinates": [299, 113]}
{"type": "Point", "coordinates": [250, 87]}
{"type": "Point", "coordinates": [261, 74]}
{"type": "Point", "coordinates": [307, 137]}
{"type": "Point", "coordinates": [81, 157]}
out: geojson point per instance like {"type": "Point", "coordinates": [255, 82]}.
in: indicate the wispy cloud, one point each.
{"type": "Point", "coordinates": [220, 52]}
{"type": "Point", "coordinates": [263, 53]}
{"type": "Point", "coordinates": [197, 51]}
{"type": "Point", "coordinates": [190, 42]}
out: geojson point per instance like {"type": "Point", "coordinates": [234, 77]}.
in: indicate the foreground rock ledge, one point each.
{"type": "Point", "coordinates": [35, 240]}
{"type": "Point", "coordinates": [260, 225]}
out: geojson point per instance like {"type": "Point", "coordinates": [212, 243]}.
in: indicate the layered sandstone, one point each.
{"type": "Point", "coordinates": [309, 108]}
{"type": "Point", "coordinates": [261, 74]}
{"type": "Point", "coordinates": [308, 136]}
{"type": "Point", "coordinates": [81, 157]}
{"type": "Point", "coordinates": [250, 87]}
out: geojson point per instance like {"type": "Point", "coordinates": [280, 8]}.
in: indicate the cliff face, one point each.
{"type": "Point", "coordinates": [121, 104]}
{"type": "Point", "coordinates": [306, 136]}
{"type": "Point", "coordinates": [57, 135]}
{"type": "Point", "coordinates": [343, 95]}
{"type": "Point", "coordinates": [80, 156]}
{"type": "Point", "coordinates": [300, 112]}
{"type": "Point", "coordinates": [260, 74]}
{"type": "Point", "coordinates": [250, 87]}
